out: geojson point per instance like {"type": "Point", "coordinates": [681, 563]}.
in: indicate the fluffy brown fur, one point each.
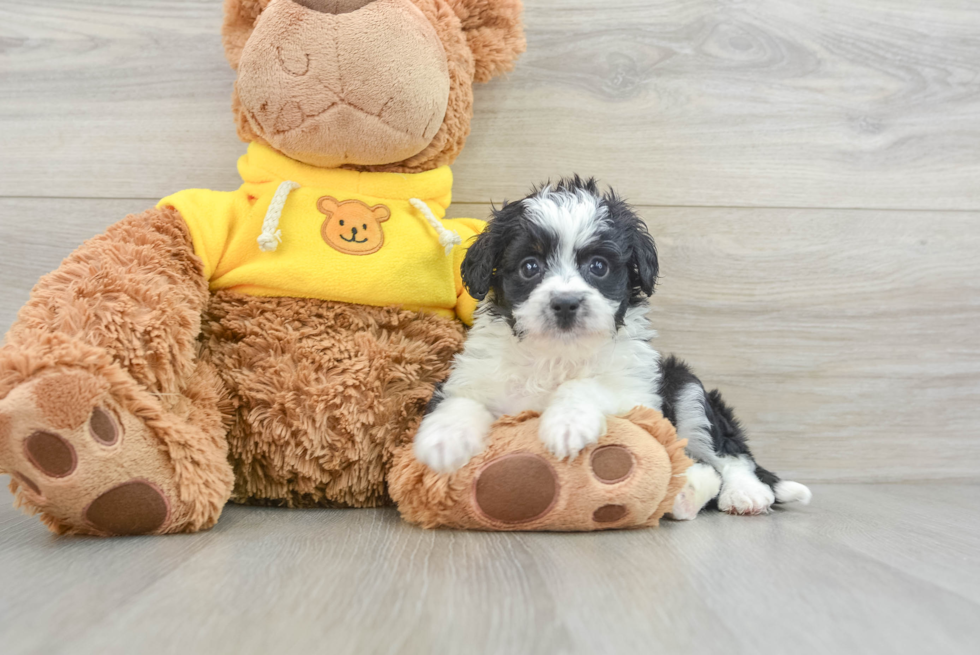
{"type": "Point", "coordinates": [494, 33]}
{"type": "Point", "coordinates": [323, 393]}
{"type": "Point", "coordinates": [135, 293]}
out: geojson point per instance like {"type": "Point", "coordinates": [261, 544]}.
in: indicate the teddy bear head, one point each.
{"type": "Point", "coordinates": [371, 85]}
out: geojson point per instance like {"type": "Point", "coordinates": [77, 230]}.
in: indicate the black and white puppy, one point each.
{"type": "Point", "coordinates": [563, 277]}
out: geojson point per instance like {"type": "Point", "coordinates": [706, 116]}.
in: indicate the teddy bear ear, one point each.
{"type": "Point", "coordinates": [494, 32]}
{"type": "Point", "coordinates": [240, 17]}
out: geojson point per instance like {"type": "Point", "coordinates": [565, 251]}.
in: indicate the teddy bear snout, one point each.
{"type": "Point", "coordinates": [333, 6]}
{"type": "Point", "coordinates": [351, 82]}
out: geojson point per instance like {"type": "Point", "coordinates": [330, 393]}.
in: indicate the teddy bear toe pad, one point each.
{"type": "Point", "coordinates": [82, 460]}
{"type": "Point", "coordinates": [50, 453]}
{"type": "Point", "coordinates": [612, 464]}
{"type": "Point", "coordinates": [516, 488]}
{"type": "Point", "coordinates": [135, 507]}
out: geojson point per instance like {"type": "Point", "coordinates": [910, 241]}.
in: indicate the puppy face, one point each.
{"type": "Point", "coordinates": [564, 262]}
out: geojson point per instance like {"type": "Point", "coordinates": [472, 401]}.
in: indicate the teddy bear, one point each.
{"type": "Point", "coordinates": [277, 345]}
{"type": "Point", "coordinates": [236, 345]}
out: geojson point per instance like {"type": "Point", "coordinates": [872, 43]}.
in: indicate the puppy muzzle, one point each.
{"type": "Point", "coordinates": [566, 310]}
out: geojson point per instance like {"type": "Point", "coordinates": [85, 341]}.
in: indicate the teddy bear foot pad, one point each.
{"type": "Point", "coordinates": [523, 487]}
{"type": "Point", "coordinates": [81, 460]}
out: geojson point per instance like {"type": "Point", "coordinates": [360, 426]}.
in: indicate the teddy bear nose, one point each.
{"type": "Point", "coordinates": [333, 6]}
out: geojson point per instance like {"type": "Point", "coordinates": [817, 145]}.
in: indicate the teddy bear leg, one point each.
{"type": "Point", "coordinates": [628, 479]}
{"type": "Point", "coordinates": [109, 424]}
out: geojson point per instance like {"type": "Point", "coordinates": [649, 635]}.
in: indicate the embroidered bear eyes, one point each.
{"type": "Point", "coordinates": [364, 226]}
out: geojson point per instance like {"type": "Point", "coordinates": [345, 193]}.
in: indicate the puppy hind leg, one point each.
{"type": "Point", "coordinates": [742, 492]}
{"type": "Point", "coordinates": [702, 486]}
{"type": "Point", "coordinates": [785, 490]}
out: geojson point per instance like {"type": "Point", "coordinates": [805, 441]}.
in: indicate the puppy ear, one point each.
{"type": "Point", "coordinates": [644, 266]}
{"type": "Point", "coordinates": [483, 257]}
{"type": "Point", "coordinates": [494, 32]}
{"type": "Point", "coordinates": [479, 263]}
{"type": "Point", "coordinates": [645, 261]}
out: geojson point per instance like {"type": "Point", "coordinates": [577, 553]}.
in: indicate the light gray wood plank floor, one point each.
{"type": "Point", "coordinates": [866, 569]}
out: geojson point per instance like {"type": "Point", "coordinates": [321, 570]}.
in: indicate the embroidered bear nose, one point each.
{"type": "Point", "coordinates": [333, 6]}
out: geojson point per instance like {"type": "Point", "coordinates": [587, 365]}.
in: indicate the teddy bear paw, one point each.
{"type": "Point", "coordinates": [77, 456]}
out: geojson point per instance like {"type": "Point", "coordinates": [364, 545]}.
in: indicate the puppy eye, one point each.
{"type": "Point", "coordinates": [599, 267]}
{"type": "Point", "coordinates": [530, 268]}
{"type": "Point", "coordinates": [341, 224]}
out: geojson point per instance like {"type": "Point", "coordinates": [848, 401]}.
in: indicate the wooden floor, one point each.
{"type": "Point", "coordinates": [811, 172]}
{"type": "Point", "coordinates": [866, 569]}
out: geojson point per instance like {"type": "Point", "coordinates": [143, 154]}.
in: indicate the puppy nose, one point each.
{"type": "Point", "coordinates": [353, 231]}
{"type": "Point", "coordinates": [566, 306]}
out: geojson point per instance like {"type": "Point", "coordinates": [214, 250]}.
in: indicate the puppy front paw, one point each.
{"type": "Point", "coordinates": [452, 435]}
{"type": "Point", "coordinates": [566, 430]}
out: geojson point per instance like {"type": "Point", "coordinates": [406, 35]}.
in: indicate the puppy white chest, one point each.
{"type": "Point", "coordinates": [529, 376]}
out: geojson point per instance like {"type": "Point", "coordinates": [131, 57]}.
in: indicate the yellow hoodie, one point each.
{"type": "Point", "coordinates": [297, 230]}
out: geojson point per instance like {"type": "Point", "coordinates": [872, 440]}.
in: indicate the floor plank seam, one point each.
{"type": "Point", "coordinates": [456, 203]}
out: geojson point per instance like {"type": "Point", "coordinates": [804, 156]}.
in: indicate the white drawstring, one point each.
{"type": "Point", "coordinates": [447, 238]}
{"type": "Point", "coordinates": [271, 235]}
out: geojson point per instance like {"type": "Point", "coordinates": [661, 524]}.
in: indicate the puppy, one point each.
{"type": "Point", "coordinates": [563, 277]}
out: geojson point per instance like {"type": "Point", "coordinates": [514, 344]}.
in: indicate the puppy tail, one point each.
{"type": "Point", "coordinates": [792, 492]}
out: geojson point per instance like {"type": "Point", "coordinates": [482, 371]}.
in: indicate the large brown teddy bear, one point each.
{"type": "Point", "coordinates": [277, 345]}
{"type": "Point", "coordinates": [195, 353]}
